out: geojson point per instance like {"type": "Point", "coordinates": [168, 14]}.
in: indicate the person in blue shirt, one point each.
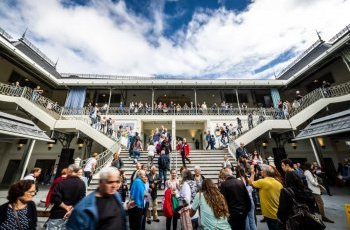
{"type": "Point", "coordinates": [137, 204]}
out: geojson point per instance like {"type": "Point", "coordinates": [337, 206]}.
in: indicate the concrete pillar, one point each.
{"type": "Point", "coordinates": [152, 100]}
{"type": "Point", "coordinates": [173, 144]}
{"type": "Point", "coordinates": [238, 104]}
{"type": "Point", "coordinates": [109, 100]}
{"type": "Point", "coordinates": [25, 158]}
{"type": "Point", "coordinates": [345, 62]}
{"type": "Point", "coordinates": [195, 100]}
{"type": "Point", "coordinates": [315, 150]}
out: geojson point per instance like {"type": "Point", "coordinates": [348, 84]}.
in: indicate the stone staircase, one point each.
{"type": "Point", "coordinates": [210, 162]}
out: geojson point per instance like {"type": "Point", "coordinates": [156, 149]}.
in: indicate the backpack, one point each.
{"type": "Point", "coordinates": [301, 217]}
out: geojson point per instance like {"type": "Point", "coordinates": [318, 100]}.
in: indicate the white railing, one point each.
{"type": "Point", "coordinates": [103, 159]}
{"type": "Point", "coordinates": [305, 101]}
{"type": "Point", "coordinates": [41, 101]}
{"type": "Point", "coordinates": [53, 107]}
{"type": "Point", "coordinates": [340, 34]}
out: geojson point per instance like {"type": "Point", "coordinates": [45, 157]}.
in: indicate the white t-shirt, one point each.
{"type": "Point", "coordinates": [88, 167]}
{"type": "Point", "coordinates": [30, 177]}
{"type": "Point", "coordinates": [151, 150]}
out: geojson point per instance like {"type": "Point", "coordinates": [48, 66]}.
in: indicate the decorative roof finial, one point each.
{"type": "Point", "coordinates": [24, 34]}
{"type": "Point", "coordinates": [56, 62]}
{"type": "Point", "coordinates": [319, 35]}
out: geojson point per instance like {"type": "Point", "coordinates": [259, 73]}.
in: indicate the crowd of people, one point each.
{"type": "Point", "coordinates": [197, 202]}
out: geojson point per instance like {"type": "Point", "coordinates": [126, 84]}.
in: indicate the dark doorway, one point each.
{"type": "Point", "coordinates": [330, 170]}
{"type": "Point", "coordinates": [11, 171]}
{"type": "Point", "coordinates": [46, 170]}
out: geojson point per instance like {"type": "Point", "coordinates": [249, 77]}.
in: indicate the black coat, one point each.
{"type": "Point", "coordinates": [236, 195]}
{"type": "Point", "coordinates": [154, 181]}
{"type": "Point", "coordinates": [32, 214]}
{"type": "Point", "coordinates": [286, 202]}
{"type": "Point", "coordinates": [69, 191]}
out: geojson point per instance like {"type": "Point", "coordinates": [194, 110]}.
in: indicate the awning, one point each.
{"type": "Point", "coordinates": [328, 125]}
{"type": "Point", "coordinates": [12, 127]}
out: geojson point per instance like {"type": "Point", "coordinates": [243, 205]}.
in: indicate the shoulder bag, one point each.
{"type": "Point", "coordinates": [301, 218]}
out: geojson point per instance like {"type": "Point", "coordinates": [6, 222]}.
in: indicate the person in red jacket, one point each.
{"type": "Point", "coordinates": [184, 149]}
{"type": "Point", "coordinates": [53, 186]}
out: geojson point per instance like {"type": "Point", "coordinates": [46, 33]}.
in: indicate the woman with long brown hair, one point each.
{"type": "Point", "coordinates": [212, 206]}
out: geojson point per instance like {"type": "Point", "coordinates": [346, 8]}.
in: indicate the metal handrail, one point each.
{"type": "Point", "coordinates": [308, 99]}
{"type": "Point", "coordinates": [41, 101]}
{"type": "Point", "coordinates": [103, 158]}
{"type": "Point", "coordinates": [11, 90]}
{"type": "Point", "coordinates": [340, 34]}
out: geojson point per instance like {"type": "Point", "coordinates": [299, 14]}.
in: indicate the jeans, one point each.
{"type": "Point", "coordinates": [88, 175]}
{"type": "Point", "coordinates": [136, 155]}
{"type": "Point", "coordinates": [250, 221]}
{"type": "Point", "coordinates": [272, 224]}
{"type": "Point", "coordinates": [162, 174]}
{"type": "Point", "coordinates": [56, 224]}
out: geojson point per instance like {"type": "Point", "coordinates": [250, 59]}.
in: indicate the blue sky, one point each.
{"type": "Point", "coordinates": [238, 39]}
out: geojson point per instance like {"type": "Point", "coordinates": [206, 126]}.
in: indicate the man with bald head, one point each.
{"type": "Point", "coordinates": [269, 193]}
{"type": "Point", "coordinates": [103, 208]}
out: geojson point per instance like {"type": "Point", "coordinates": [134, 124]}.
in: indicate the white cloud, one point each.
{"type": "Point", "coordinates": [105, 37]}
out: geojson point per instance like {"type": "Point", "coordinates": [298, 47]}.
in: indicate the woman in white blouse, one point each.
{"type": "Point", "coordinates": [315, 187]}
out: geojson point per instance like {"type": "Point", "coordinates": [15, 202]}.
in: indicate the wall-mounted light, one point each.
{"type": "Point", "coordinates": [294, 145]}
{"type": "Point", "coordinates": [21, 143]}
{"type": "Point", "coordinates": [80, 143]}
{"type": "Point", "coordinates": [265, 144]}
{"type": "Point", "coordinates": [49, 146]}
{"type": "Point", "coordinates": [320, 141]}
{"type": "Point", "coordinates": [19, 146]}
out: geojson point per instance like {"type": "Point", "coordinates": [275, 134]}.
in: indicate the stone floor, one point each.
{"type": "Point", "coordinates": [334, 205]}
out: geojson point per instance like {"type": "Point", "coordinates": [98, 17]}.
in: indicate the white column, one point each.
{"type": "Point", "coordinates": [173, 144]}
{"type": "Point", "coordinates": [27, 156]}
{"type": "Point", "coordinates": [109, 100]}
{"type": "Point", "coordinates": [239, 106]}
{"type": "Point", "coordinates": [195, 99]}
{"type": "Point", "coordinates": [345, 62]}
{"type": "Point", "coordinates": [313, 145]}
{"type": "Point", "coordinates": [152, 100]}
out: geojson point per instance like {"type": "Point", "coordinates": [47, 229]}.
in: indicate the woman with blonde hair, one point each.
{"type": "Point", "coordinates": [212, 206]}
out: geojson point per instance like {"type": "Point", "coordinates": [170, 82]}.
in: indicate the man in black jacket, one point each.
{"type": "Point", "coordinates": [237, 198]}
{"type": "Point", "coordinates": [153, 180]}
{"type": "Point", "coordinates": [65, 196]}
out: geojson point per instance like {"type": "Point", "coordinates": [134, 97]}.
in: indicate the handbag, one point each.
{"type": "Point", "coordinates": [174, 202]}
{"type": "Point", "coordinates": [301, 217]}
